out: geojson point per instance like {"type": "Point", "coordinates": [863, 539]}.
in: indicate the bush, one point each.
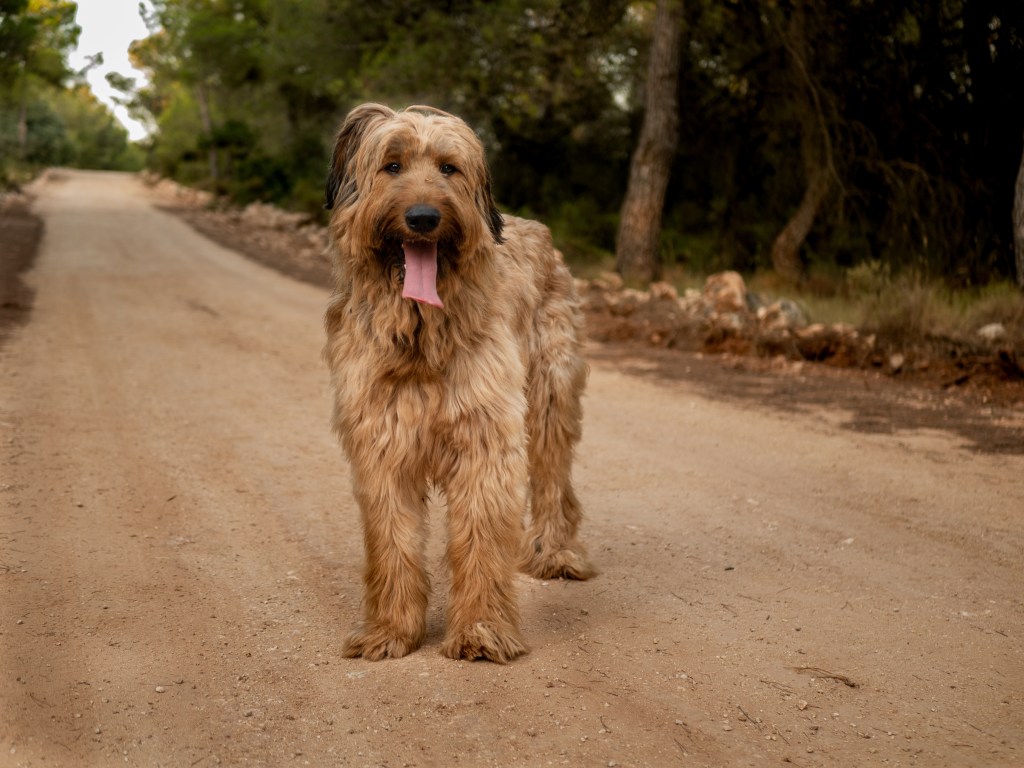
{"type": "Point", "coordinates": [905, 310]}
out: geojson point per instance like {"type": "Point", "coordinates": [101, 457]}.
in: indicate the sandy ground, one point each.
{"type": "Point", "coordinates": [180, 556]}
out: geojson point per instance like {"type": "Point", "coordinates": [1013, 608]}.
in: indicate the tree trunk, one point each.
{"type": "Point", "coordinates": [636, 252]}
{"type": "Point", "coordinates": [23, 112]}
{"type": "Point", "coordinates": [815, 147]}
{"type": "Point", "coordinates": [786, 248]}
{"type": "Point", "coordinates": [1018, 223]}
{"type": "Point", "coordinates": [203, 100]}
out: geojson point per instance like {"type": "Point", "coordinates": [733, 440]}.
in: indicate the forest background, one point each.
{"type": "Point", "coordinates": [892, 131]}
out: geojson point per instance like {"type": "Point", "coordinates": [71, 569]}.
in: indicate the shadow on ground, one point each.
{"type": "Point", "coordinates": [876, 403]}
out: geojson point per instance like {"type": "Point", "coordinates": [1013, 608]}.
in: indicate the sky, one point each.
{"type": "Point", "coordinates": [108, 27]}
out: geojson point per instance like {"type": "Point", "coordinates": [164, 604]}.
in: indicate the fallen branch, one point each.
{"type": "Point", "coordinates": [749, 718]}
{"type": "Point", "coordinates": [819, 672]}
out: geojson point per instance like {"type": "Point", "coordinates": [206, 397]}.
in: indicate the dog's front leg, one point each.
{"type": "Point", "coordinates": [486, 497]}
{"type": "Point", "coordinates": [395, 578]}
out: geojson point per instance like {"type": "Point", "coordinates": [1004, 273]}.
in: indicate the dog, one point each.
{"type": "Point", "coordinates": [453, 342]}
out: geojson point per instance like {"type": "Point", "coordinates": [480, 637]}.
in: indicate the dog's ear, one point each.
{"type": "Point", "coordinates": [341, 183]}
{"type": "Point", "coordinates": [489, 210]}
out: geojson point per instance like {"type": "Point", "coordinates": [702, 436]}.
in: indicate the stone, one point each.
{"type": "Point", "coordinates": [726, 292]}
{"type": "Point", "coordinates": [664, 291]}
{"type": "Point", "coordinates": [992, 332]}
{"type": "Point", "coordinates": [783, 314]}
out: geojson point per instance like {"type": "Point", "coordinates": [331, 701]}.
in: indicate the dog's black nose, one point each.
{"type": "Point", "coordinates": [423, 218]}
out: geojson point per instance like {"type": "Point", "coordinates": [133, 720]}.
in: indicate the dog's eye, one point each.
{"type": "Point", "coordinates": [392, 168]}
{"type": "Point", "coordinates": [447, 169]}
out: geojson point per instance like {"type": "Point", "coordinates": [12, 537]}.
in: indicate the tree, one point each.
{"type": "Point", "coordinates": [545, 91]}
{"type": "Point", "coordinates": [814, 135]}
{"type": "Point", "coordinates": [94, 137]}
{"type": "Point", "coordinates": [16, 36]}
{"type": "Point", "coordinates": [636, 252]}
{"type": "Point", "coordinates": [538, 79]}
{"type": "Point", "coordinates": [37, 36]}
{"type": "Point", "coordinates": [215, 48]}
{"type": "Point", "coordinates": [815, 145]}
{"type": "Point", "coordinates": [1018, 224]}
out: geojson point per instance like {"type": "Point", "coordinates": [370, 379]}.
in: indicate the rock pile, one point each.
{"type": "Point", "coordinates": [723, 317]}
{"type": "Point", "coordinates": [266, 216]}
{"type": "Point", "coordinates": [177, 194]}
{"type": "Point", "coordinates": [264, 220]}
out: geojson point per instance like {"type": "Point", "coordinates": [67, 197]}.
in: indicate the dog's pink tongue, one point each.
{"type": "Point", "coordinates": [421, 273]}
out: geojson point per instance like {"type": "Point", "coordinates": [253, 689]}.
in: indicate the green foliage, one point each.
{"type": "Point", "coordinates": [995, 303]}
{"type": "Point", "coordinates": [46, 141]}
{"type": "Point", "coordinates": [540, 89]}
{"type": "Point", "coordinates": [174, 151]}
{"type": "Point", "coordinates": [907, 105]}
{"type": "Point", "coordinates": [914, 313]}
{"type": "Point", "coordinates": [47, 117]}
{"type": "Point", "coordinates": [913, 104]}
{"type": "Point", "coordinates": [94, 137]}
{"type": "Point", "coordinates": [906, 312]}
{"type": "Point", "coordinates": [909, 307]}
{"type": "Point", "coordinates": [67, 128]}
{"type": "Point", "coordinates": [35, 37]}
{"type": "Point", "coordinates": [870, 278]}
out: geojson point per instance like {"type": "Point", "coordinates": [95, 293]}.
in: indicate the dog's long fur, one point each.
{"type": "Point", "coordinates": [479, 398]}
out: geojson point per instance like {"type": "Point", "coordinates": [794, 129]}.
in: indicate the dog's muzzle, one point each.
{"type": "Point", "coordinates": [422, 219]}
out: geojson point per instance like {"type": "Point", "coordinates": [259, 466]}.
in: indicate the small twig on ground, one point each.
{"type": "Point", "coordinates": [749, 718]}
{"type": "Point", "coordinates": [819, 672]}
{"type": "Point", "coordinates": [979, 730]}
{"type": "Point", "coordinates": [778, 686]}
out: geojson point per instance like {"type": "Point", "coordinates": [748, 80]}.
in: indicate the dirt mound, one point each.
{"type": "Point", "coordinates": [20, 233]}
{"type": "Point", "coordinates": [726, 318]}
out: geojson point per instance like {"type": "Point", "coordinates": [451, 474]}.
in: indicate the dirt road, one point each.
{"type": "Point", "coordinates": [179, 552]}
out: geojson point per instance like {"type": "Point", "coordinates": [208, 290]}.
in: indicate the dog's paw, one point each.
{"type": "Point", "coordinates": [558, 564]}
{"type": "Point", "coordinates": [374, 643]}
{"type": "Point", "coordinates": [484, 640]}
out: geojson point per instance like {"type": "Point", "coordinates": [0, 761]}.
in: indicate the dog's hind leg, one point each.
{"type": "Point", "coordinates": [557, 377]}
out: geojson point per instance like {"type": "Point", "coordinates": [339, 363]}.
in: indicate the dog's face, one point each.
{"type": "Point", "coordinates": [413, 193]}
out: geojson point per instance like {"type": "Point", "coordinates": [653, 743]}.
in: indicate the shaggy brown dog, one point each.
{"type": "Point", "coordinates": [453, 344]}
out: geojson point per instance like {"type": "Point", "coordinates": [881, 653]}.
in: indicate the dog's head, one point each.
{"type": "Point", "coordinates": [413, 189]}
